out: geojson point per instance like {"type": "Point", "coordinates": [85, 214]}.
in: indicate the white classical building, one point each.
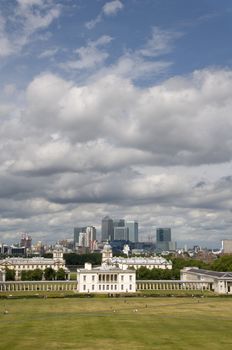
{"type": "Point", "coordinates": [28, 264]}
{"type": "Point", "coordinates": [137, 262]}
{"type": "Point", "coordinates": [106, 278]}
{"type": "Point", "coordinates": [220, 282]}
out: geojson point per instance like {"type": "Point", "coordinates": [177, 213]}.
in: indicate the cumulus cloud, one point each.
{"type": "Point", "coordinates": [74, 147]}
{"type": "Point", "coordinates": [177, 121]}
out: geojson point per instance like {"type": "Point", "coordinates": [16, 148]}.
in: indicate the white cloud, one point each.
{"type": "Point", "coordinates": [160, 43]}
{"type": "Point", "coordinates": [49, 53]}
{"type": "Point", "coordinates": [89, 56]}
{"type": "Point", "coordinates": [91, 24]}
{"type": "Point", "coordinates": [90, 147]}
{"type": "Point", "coordinates": [112, 7]}
{"type": "Point", "coordinates": [28, 17]}
{"type": "Point", "coordinates": [178, 118]}
{"type": "Point", "coordinates": [109, 9]}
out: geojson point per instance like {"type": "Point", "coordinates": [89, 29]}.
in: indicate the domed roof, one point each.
{"type": "Point", "coordinates": [107, 247]}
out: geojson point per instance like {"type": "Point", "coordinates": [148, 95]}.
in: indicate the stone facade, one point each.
{"type": "Point", "coordinates": [220, 282]}
{"type": "Point", "coordinates": [28, 264]}
{"type": "Point", "coordinates": [137, 262]}
{"type": "Point", "coordinates": [105, 279]}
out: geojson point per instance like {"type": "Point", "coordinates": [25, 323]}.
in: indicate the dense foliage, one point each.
{"type": "Point", "coordinates": [10, 275]}
{"type": "Point", "coordinates": [48, 274]}
{"type": "Point", "coordinates": [224, 263]}
{"type": "Point", "coordinates": [177, 264]}
{"type": "Point", "coordinates": [32, 275]}
{"type": "Point", "coordinates": [81, 259]}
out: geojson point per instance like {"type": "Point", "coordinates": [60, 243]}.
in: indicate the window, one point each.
{"type": "Point", "coordinates": [112, 286]}
{"type": "Point", "coordinates": [107, 287]}
{"type": "Point", "coordinates": [99, 287]}
{"type": "Point", "coordinates": [122, 278]}
{"type": "Point", "coordinates": [130, 278]}
{"type": "Point", "coordinates": [84, 287]}
{"type": "Point", "coordinates": [103, 287]}
{"type": "Point", "coordinates": [130, 287]}
{"type": "Point", "coordinates": [115, 287]}
{"type": "Point", "coordinates": [121, 286]}
{"type": "Point", "coordinates": [92, 286]}
{"type": "Point", "coordinates": [93, 278]}
{"type": "Point", "coordinates": [84, 278]}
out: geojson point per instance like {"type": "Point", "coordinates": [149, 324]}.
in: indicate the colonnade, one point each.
{"type": "Point", "coordinates": [172, 285]}
{"type": "Point", "coordinates": [22, 286]}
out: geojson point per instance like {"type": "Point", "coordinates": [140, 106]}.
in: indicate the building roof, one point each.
{"type": "Point", "coordinates": [209, 273]}
{"type": "Point", "coordinates": [140, 261]}
{"type": "Point", "coordinates": [105, 268]}
{"type": "Point", "coordinates": [29, 261]}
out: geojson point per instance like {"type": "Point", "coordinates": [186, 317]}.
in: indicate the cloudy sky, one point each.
{"type": "Point", "coordinates": [120, 108]}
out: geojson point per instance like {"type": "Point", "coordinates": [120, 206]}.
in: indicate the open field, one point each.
{"type": "Point", "coordinates": [116, 323]}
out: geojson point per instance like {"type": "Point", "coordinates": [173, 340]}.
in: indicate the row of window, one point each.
{"type": "Point", "coordinates": [106, 287]}
{"type": "Point", "coordinates": [31, 267]}
{"type": "Point", "coordinates": [107, 278]}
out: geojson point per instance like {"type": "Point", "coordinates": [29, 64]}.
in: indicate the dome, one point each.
{"type": "Point", "coordinates": [107, 247]}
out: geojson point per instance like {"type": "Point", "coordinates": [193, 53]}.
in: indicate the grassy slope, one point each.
{"type": "Point", "coordinates": [167, 323]}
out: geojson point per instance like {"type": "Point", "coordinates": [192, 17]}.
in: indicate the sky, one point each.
{"type": "Point", "coordinates": [119, 108]}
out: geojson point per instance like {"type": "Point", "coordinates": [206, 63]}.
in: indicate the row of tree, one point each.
{"type": "Point", "coordinates": [49, 274]}
{"type": "Point", "coordinates": [223, 263]}
{"type": "Point", "coordinates": [81, 259]}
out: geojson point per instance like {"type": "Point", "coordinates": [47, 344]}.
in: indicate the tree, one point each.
{"type": "Point", "coordinates": [49, 274]}
{"type": "Point", "coordinates": [61, 275]}
{"type": "Point", "coordinates": [81, 259]}
{"type": "Point", "coordinates": [224, 263]}
{"type": "Point", "coordinates": [25, 275]}
{"type": "Point", "coordinates": [37, 275]}
{"type": "Point", "coordinates": [10, 275]}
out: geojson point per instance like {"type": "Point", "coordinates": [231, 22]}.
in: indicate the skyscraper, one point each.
{"type": "Point", "coordinates": [121, 233]}
{"type": "Point", "coordinates": [107, 229]}
{"type": "Point", "coordinates": [77, 231]}
{"type": "Point", "coordinates": [133, 231]}
{"type": "Point", "coordinates": [119, 223]}
{"type": "Point", "coordinates": [163, 238]}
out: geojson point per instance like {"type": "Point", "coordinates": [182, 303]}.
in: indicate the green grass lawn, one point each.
{"type": "Point", "coordinates": [117, 323]}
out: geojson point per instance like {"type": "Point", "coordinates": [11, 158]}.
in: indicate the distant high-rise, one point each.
{"type": "Point", "coordinates": [87, 238]}
{"type": "Point", "coordinates": [133, 231]}
{"type": "Point", "coordinates": [25, 241]}
{"type": "Point", "coordinates": [107, 229]}
{"type": "Point", "coordinates": [227, 246]}
{"type": "Point", "coordinates": [121, 233]}
{"type": "Point", "coordinates": [119, 223]}
{"type": "Point", "coordinates": [163, 238]}
{"type": "Point", "coordinates": [77, 231]}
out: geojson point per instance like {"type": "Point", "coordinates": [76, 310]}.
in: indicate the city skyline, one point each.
{"type": "Point", "coordinates": [119, 108]}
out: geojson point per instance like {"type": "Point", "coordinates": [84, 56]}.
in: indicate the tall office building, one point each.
{"type": "Point", "coordinates": [133, 231]}
{"type": "Point", "coordinates": [77, 231]}
{"type": "Point", "coordinates": [121, 233]}
{"type": "Point", "coordinates": [107, 229]}
{"type": "Point", "coordinates": [119, 223]}
{"type": "Point", "coordinates": [163, 238]}
{"type": "Point", "coordinates": [87, 238]}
